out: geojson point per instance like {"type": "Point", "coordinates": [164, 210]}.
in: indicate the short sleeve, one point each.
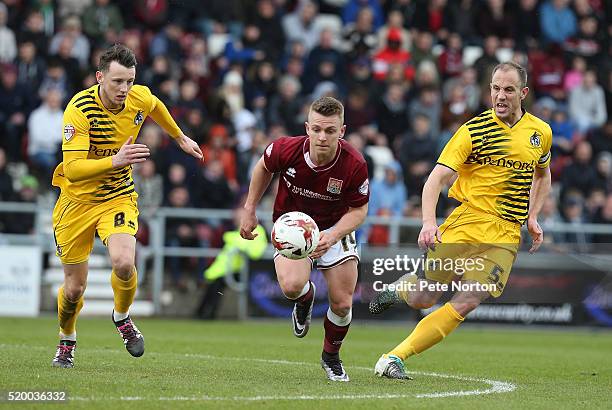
{"type": "Point", "coordinates": [358, 193]}
{"type": "Point", "coordinates": [75, 130]}
{"type": "Point", "coordinates": [273, 157]}
{"type": "Point", "coordinates": [457, 150]}
{"type": "Point", "coordinates": [544, 160]}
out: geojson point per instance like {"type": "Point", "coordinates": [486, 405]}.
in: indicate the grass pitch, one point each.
{"type": "Point", "coordinates": [191, 364]}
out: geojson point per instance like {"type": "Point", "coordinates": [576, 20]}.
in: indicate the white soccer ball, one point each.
{"type": "Point", "coordinates": [295, 235]}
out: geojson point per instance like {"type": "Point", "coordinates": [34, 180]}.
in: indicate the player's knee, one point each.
{"type": "Point", "coordinates": [123, 266]}
{"type": "Point", "coordinates": [291, 288]}
{"type": "Point", "coordinates": [73, 292]}
{"type": "Point", "coordinates": [341, 309]}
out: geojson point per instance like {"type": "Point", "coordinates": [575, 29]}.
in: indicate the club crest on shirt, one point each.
{"type": "Point", "coordinates": [535, 139]}
{"type": "Point", "coordinates": [69, 131]}
{"type": "Point", "coordinates": [334, 186]}
{"type": "Point", "coordinates": [291, 172]}
{"type": "Point", "coordinates": [139, 117]}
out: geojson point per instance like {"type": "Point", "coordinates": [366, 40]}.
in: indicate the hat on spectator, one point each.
{"type": "Point", "coordinates": [394, 35]}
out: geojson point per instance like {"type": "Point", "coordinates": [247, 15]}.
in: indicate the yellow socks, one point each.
{"type": "Point", "coordinates": [67, 312]}
{"type": "Point", "coordinates": [429, 331]}
{"type": "Point", "coordinates": [124, 291]}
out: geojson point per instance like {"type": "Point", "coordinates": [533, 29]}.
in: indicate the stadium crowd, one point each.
{"type": "Point", "coordinates": [237, 74]}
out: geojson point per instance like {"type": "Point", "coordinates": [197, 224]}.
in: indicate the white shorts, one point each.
{"type": "Point", "coordinates": [343, 250]}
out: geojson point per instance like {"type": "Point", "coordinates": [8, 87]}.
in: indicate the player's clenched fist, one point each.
{"type": "Point", "coordinates": [130, 154]}
{"type": "Point", "coordinates": [248, 223]}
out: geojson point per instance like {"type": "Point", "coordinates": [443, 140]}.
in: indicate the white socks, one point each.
{"type": "Point", "coordinates": [339, 321]}
{"type": "Point", "coordinates": [120, 316]}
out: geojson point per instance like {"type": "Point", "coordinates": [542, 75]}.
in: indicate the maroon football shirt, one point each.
{"type": "Point", "coordinates": [325, 193]}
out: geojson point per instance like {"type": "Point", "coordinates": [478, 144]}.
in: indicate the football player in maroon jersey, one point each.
{"type": "Point", "coordinates": [326, 178]}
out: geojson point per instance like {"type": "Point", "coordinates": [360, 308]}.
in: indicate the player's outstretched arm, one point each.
{"type": "Point", "coordinates": [350, 221]}
{"type": "Point", "coordinates": [259, 183]}
{"type": "Point", "coordinates": [440, 176]}
{"type": "Point", "coordinates": [162, 117]}
{"type": "Point", "coordinates": [189, 146]}
{"type": "Point", "coordinates": [540, 188]}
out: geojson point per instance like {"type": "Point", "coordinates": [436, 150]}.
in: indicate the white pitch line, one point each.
{"type": "Point", "coordinates": [496, 386]}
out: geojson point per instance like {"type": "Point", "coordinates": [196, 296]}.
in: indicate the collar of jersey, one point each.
{"type": "Point", "coordinates": [503, 124]}
{"type": "Point", "coordinates": [99, 100]}
{"type": "Point", "coordinates": [306, 151]}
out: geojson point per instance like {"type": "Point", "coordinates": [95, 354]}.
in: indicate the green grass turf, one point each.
{"type": "Point", "coordinates": [229, 364]}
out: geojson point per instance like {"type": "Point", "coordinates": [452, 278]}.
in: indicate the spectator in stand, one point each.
{"type": "Point", "coordinates": [485, 63]}
{"type": "Point", "coordinates": [588, 42]}
{"type": "Point", "coordinates": [395, 21]}
{"type": "Point", "coordinates": [285, 107]}
{"type": "Point", "coordinates": [422, 48]}
{"type": "Point", "coordinates": [34, 31]}
{"type": "Point", "coordinates": [71, 28]}
{"type": "Point", "coordinates": [45, 134]}
{"type": "Point", "coordinates": [574, 76]}
{"type": "Point", "coordinates": [527, 25]}
{"type": "Point", "coordinates": [430, 17]}
{"type": "Point", "coordinates": [455, 109]}
{"type": "Point", "coordinates": [268, 21]}
{"type": "Point", "coordinates": [180, 232]}
{"type": "Point", "coordinates": [450, 62]}
{"type": "Point", "coordinates": [466, 80]}
{"type": "Point", "coordinates": [557, 21]}
{"type": "Point", "coordinates": [428, 103]}
{"type": "Point", "coordinates": [15, 106]}
{"type": "Point", "coordinates": [213, 189]}
{"type": "Point", "coordinates": [601, 139]}
{"type": "Point", "coordinates": [101, 17]}
{"type": "Point", "coordinates": [547, 72]}
{"type": "Point", "coordinates": [563, 133]}
{"type": "Point", "coordinates": [30, 66]}
{"type": "Point", "coordinates": [358, 111]}
{"type": "Point", "coordinates": [360, 37]}
{"type": "Point", "coordinates": [55, 77]}
{"type": "Point", "coordinates": [580, 175]}
{"type": "Point", "coordinates": [218, 147]}
{"type": "Point", "coordinates": [8, 44]}
{"type": "Point", "coordinates": [497, 18]}
{"type": "Point", "coordinates": [392, 113]}
{"type": "Point", "coordinates": [388, 193]}
{"type": "Point", "coordinates": [353, 9]}
{"type": "Point", "coordinates": [301, 25]}
{"type": "Point", "coordinates": [167, 42]}
{"type": "Point", "coordinates": [587, 104]}
{"type": "Point", "coordinates": [150, 188]}
{"type": "Point", "coordinates": [417, 153]}
{"type": "Point", "coordinates": [461, 17]}
{"type": "Point", "coordinates": [392, 53]}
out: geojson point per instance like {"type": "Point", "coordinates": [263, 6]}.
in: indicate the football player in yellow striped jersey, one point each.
{"type": "Point", "coordinates": [499, 162]}
{"type": "Point", "coordinates": [97, 195]}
